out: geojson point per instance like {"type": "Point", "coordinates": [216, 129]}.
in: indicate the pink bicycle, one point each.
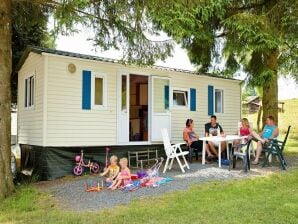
{"type": "Point", "coordinates": [78, 170]}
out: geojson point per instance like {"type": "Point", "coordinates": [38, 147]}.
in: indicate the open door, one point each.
{"type": "Point", "coordinates": [123, 108]}
{"type": "Point", "coordinates": [160, 109]}
{"type": "Point", "coordinates": [138, 108]}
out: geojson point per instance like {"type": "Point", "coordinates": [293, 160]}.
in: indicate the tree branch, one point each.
{"type": "Point", "coordinates": [223, 34]}
{"type": "Point", "coordinates": [248, 6]}
{"type": "Point", "coordinates": [54, 4]}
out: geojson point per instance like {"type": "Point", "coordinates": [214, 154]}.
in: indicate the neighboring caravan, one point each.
{"type": "Point", "coordinates": [68, 101]}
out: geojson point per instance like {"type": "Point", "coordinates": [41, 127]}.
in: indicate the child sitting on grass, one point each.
{"type": "Point", "coordinates": [123, 177]}
{"type": "Point", "coordinates": [112, 171]}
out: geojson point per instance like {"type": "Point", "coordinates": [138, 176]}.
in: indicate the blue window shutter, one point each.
{"type": "Point", "coordinates": [86, 90]}
{"type": "Point", "coordinates": [193, 99]}
{"type": "Point", "coordinates": [167, 97]}
{"type": "Point", "coordinates": [210, 100]}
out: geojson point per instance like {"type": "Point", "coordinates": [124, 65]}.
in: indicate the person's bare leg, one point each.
{"type": "Point", "coordinates": [257, 136]}
{"type": "Point", "coordinates": [112, 185]}
{"type": "Point", "coordinates": [223, 146]}
{"type": "Point", "coordinates": [258, 153]}
{"type": "Point", "coordinates": [235, 144]}
{"type": "Point", "coordinates": [117, 185]}
{"type": "Point", "coordinates": [209, 153]}
{"type": "Point", "coordinates": [212, 148]}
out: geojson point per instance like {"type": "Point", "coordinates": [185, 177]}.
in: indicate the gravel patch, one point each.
{"type": "Point", "coordinates": [70, 192]}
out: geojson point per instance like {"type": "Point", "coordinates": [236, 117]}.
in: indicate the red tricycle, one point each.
{"type": "Point", "coordinates": [78, 170]}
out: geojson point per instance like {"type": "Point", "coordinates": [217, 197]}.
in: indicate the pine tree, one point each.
{"type": "Point", "coordinates": [259, 36]}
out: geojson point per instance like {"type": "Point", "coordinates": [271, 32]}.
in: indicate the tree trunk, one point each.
{"type": "Point", "coordinates": [270, 89]}
{"type": "Point", "coordinates": [6, 179]}
{"type": "Point", "coordinates": [259, 119]}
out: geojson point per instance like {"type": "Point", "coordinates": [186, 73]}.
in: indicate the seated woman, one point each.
{"type": "Point", "coordinates": [244, 130]}
{"type": "Point", "coordinates": [192, 139]}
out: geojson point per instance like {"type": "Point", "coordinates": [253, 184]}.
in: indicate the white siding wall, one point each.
{"type": "Point", "coordinates": [66, 124]}
{"type": "Point", "coordinates": [228, 120]}
{"type": "Point", "coordinates": [30, 121]}
{"type": "Point", "coordinates": [69, 125]}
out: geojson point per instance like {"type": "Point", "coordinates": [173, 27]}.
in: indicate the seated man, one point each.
{"type": "Point", "coordinates": [211, 128]}
{"type": "Point", "coordinates": [270, 131]}
{"type": "Point", "coordinates": [192, 139]}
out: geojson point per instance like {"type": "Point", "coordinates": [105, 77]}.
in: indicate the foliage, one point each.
{"type": "Point", "coordinates": [248, 91]}
{"type": "Point", "coordinates": [116, 24]}
{"type": "Point", "coordinates": [251, 29]}
{"type": "Point", "coordinates": [254, 200]}
{"type": "Point", "coordinates": [259, 38]}
{"type": "Point", "coordinates": [29, 28]}
{"type": "Point", "coordinates": [194, 25]}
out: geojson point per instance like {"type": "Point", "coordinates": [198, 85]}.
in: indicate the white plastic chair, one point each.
{"type": "Point", "coordinates": [172, 152]}
{"type": "Point", "coordinates": [251, 147]}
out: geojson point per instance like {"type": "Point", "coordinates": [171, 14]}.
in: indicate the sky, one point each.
{"type": "Point", "coordinates": [78, 43]}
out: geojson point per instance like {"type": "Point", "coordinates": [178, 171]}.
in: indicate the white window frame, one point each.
{"type": "Point", "coordinates": [178, 89]}
{"type": "Point", "coordinates": [222, 101]}
{"type": "Point", "coordinates": [27, 92]}
{"type": "Point", "coordinates": [104, 100]}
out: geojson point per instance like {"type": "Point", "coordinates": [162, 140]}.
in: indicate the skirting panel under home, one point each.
{"type": "Point", "coordinates": [49, 163]}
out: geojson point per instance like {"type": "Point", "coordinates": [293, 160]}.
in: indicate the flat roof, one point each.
{"type": "Point", "coordinates": [40, 50]}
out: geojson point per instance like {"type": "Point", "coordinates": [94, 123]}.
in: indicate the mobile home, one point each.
{"type": "Point", "coordinates": [69, 101]}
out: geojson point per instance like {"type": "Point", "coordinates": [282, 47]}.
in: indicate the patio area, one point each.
{"type": "Point", "coordinates": [69, 192]}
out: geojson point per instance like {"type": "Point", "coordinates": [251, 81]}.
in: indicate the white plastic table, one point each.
{"type": "Point", "coordinates": [219, 139]}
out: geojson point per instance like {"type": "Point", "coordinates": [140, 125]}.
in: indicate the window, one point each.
{"type": "Point", "coordinates": [218, 101]}
{"type": "Point", "coordinates": [180, 98]}
{"type": "Point", "coordinates": [99, 91]}
{"type": "Point", "coordinates": [123, 93]}
{"type": "Point", "coordinates": [29, 91]}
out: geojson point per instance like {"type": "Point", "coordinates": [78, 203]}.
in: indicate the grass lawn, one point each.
{"type": "Point", "coordinates": [270, 199]}
{"type": "Point", "coordinates": [292, 145]}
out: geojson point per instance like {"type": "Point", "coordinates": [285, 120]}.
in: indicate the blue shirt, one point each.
{"type": "Point", "coordinates": [268, 131]}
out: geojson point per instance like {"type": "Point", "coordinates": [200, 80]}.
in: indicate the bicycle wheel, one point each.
{"type": "Point", "coordinates": [95, 167]}
{"type": "Point", "coordinates": [78, 170]}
